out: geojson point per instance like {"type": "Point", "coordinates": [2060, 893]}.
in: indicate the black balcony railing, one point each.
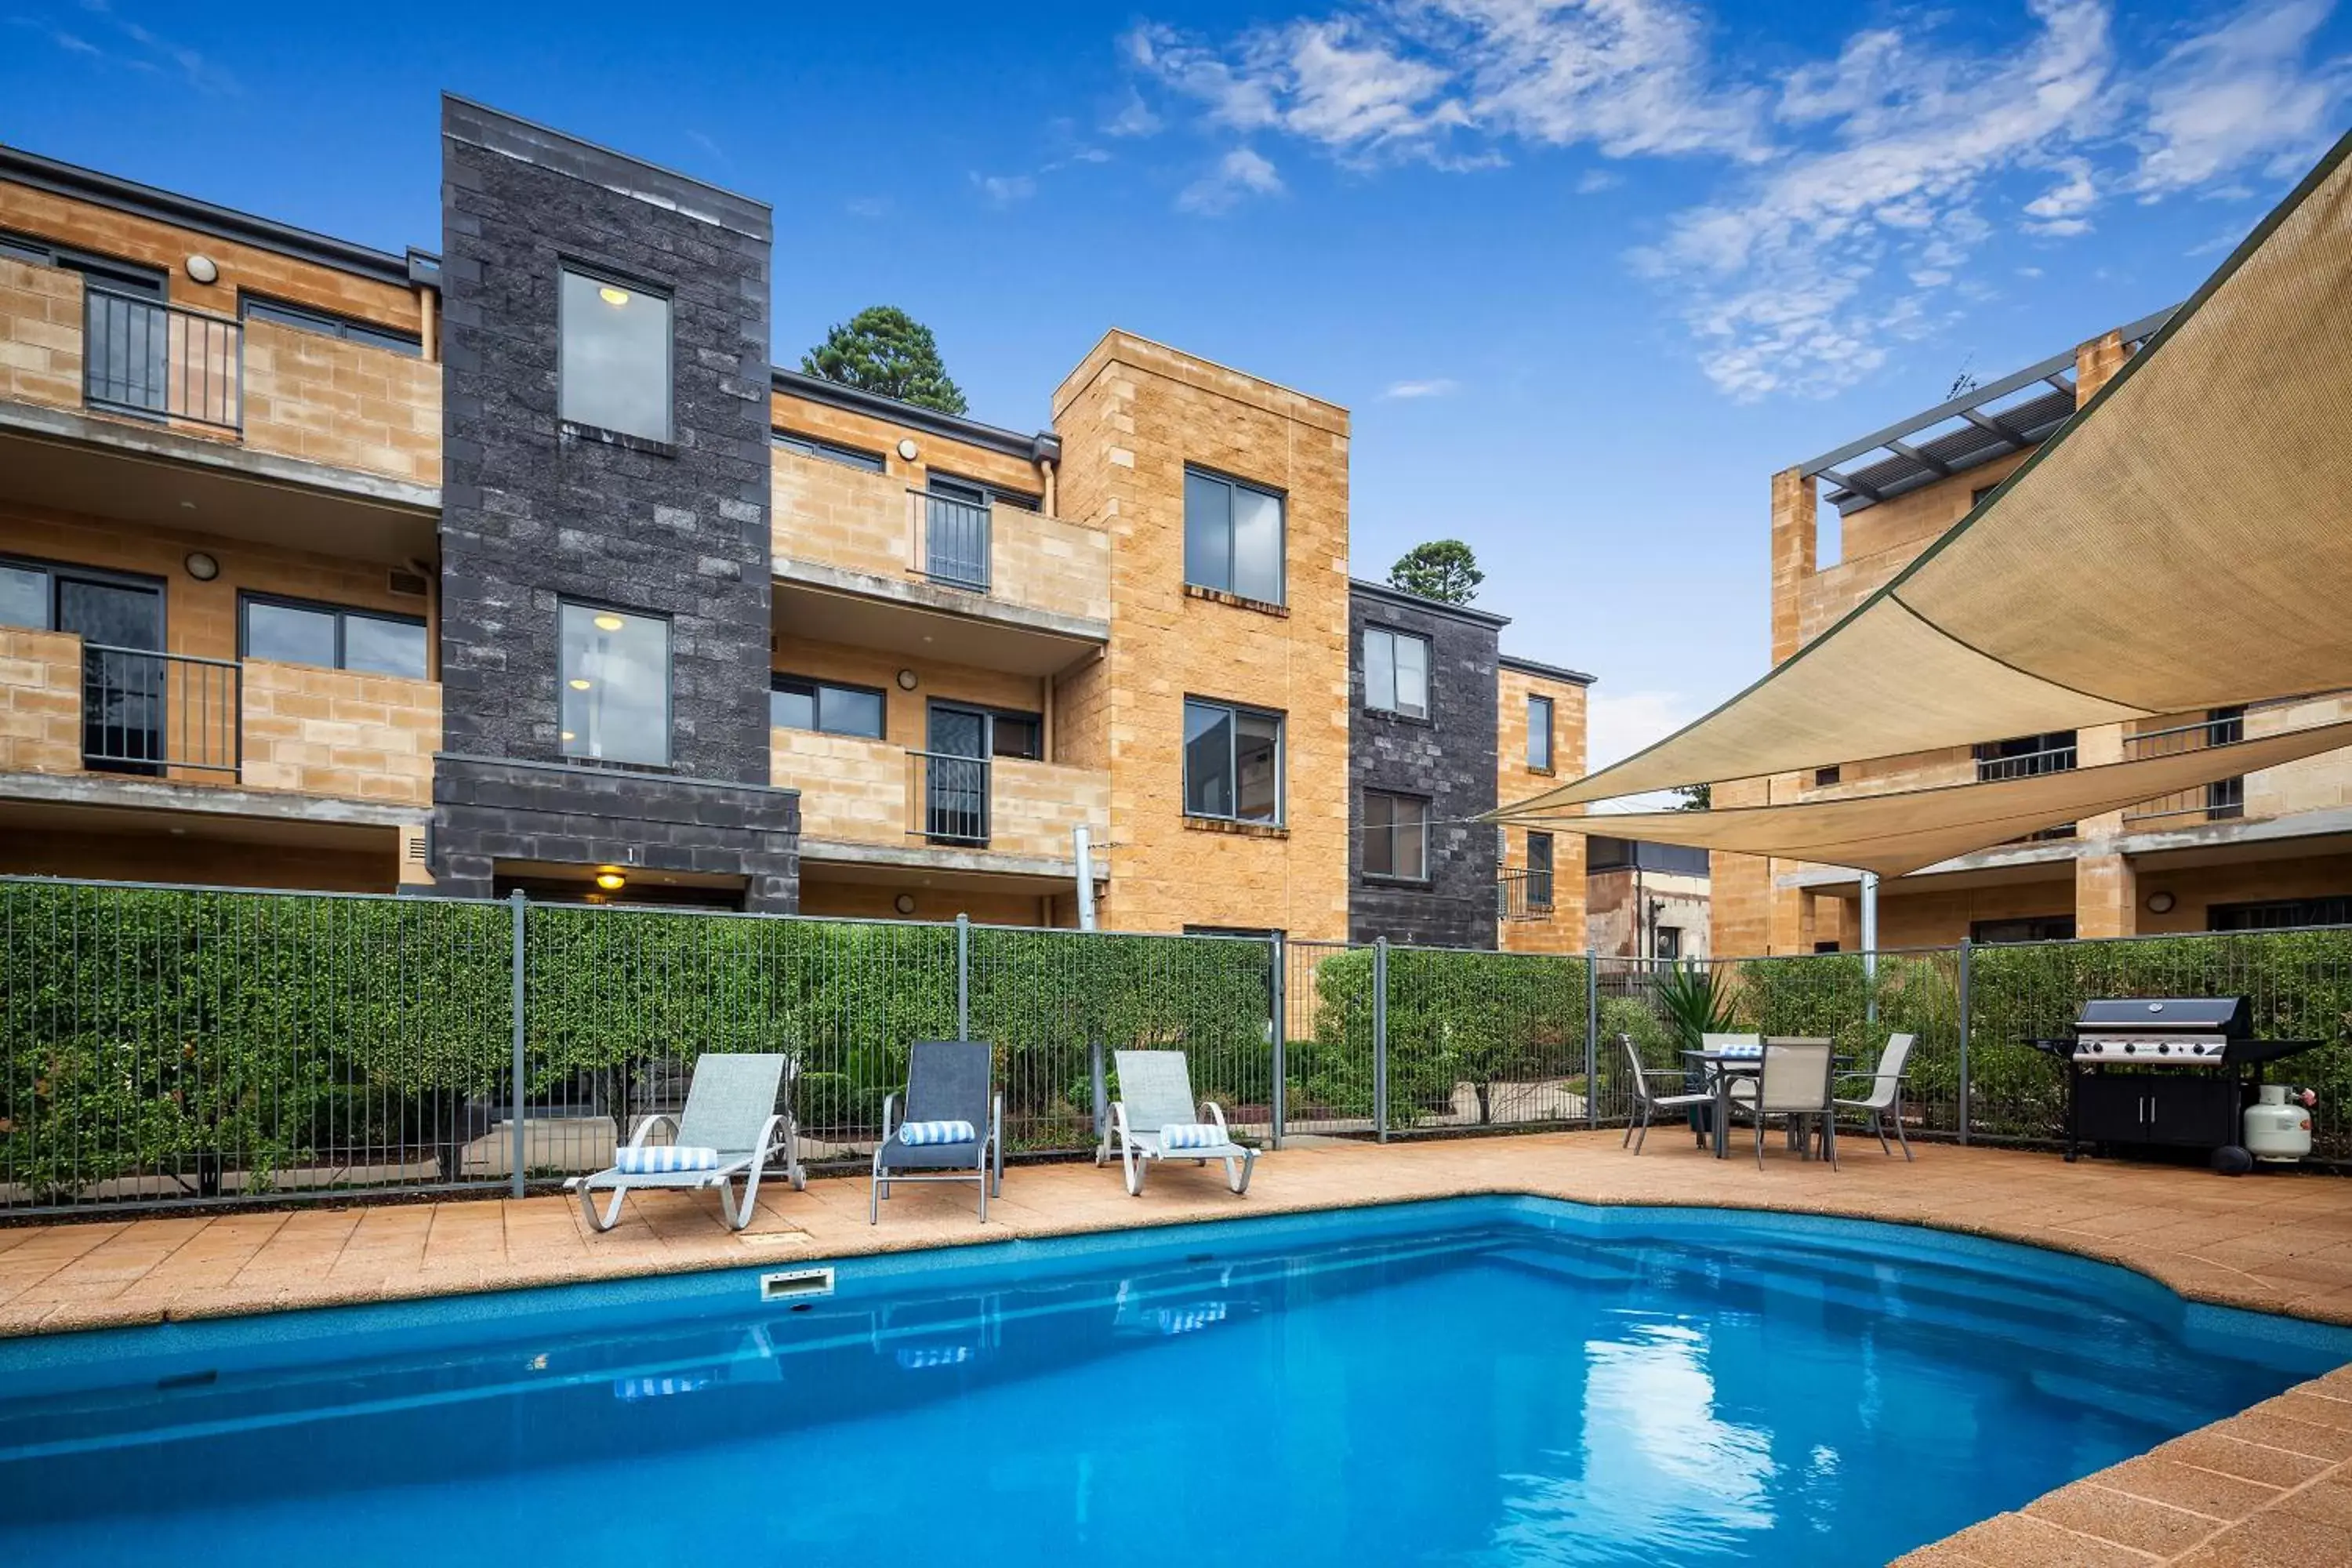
{"type": "Point", "coordinates": [143, 356]}
{"type": "Point", "coordinates": [1523, 893]}
{"type": "Point", "coordinates": [950, 797]}
{"type": "Point", "coordinates": [955, 541]}
{"type": "Point", "coordinates": [2223, 800]}
{"type": "Point", "coordinates": [148, 713]}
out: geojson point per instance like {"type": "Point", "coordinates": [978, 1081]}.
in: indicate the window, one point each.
{"type": "Point", "coordinates": [615, 360]}
{"type": "Point", "coordinates": [2039, 928]}
{"type": "Point", "coordinates": [1539, 871]}
{"type": "Point", "coordinates": [24, 596]}
{"type": "Point", "coordinates": [2280, 915]}
{"type": "Point", "coordinates": [2225, 799]}
{"type": "Point", "coordinates": [1396, 673]}
{"type": "Point", "coordinates": [1396, 836]}
{"type": "Point", "coordinates": [1667, 943]}
{"type": "Point", "coordinates": [822, 706]}
{"type": "Point", "coordinates": [1825, 947]}
{"type": "Point", "coordinates": [615, 686]}
{"type": "Point", "coordinates": [330, 636]}
{"type": "Point", "coordinates": [1020, 735]}
{"type": "Point", "coordinates": [254, 308]}
{"type": "Point", "coordinates": [978, 492]}
{"type": "Point", "coordinates": [1824, 777]}
{"type": "Point", "coordinates": [121, 277]}
{"type": "Point", "coordinates": [1539, 733]}
{"type": "Point", "coordinates": [1232, 762]}
{"type": "Point", "coordinates": [1232, 537]}
{"type": "Point", "coordinates": [810, 447]}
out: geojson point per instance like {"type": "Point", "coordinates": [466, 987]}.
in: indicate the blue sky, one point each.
{"type": "Point", "coordinates": [1585, 274]}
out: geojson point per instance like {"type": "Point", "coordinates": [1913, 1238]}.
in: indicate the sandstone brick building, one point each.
{"type": "Point", "coordinates": [521, 566]}
{"type": "Point", "coordinates": [2269, 849]}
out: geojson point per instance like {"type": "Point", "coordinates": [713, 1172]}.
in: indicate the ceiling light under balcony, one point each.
{"type": "Point", "coordinates": [611, 881]}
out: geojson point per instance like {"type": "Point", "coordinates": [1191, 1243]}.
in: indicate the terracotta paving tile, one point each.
{"type": "Point", "coordinates": [2210, 1451]}
{"type": "Point", "coordinates": [2019, 1541]}
{"type": "Point", "coordinates": [2327, 1499]}
{"type": "Point", "coordinates": [2127, 1520]}
{"type": "Point", "coordinates": [2158, 1479]}
{"type": "Point", "coordinates": [2276, 1540]}
{"type": "Point", "coordinates": [2271, 1428]}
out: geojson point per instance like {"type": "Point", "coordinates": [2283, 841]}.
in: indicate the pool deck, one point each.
{"type": "Point", "coordinates": [2271, 1486]}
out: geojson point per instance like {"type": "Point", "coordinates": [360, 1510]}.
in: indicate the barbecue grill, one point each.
{"type": "Point", "coordinates": [2171, 1071]}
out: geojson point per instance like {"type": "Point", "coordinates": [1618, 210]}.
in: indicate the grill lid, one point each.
{"type": "Point", "coordinates": [2230, 1016]}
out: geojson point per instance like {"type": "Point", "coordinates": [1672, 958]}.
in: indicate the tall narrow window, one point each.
{"type": "Point", "coordinates": [1232, 537]}
{"type": "Point", "coordinates": [1232, 762]}
{"type": "Point", "coordinates": [615, 687]}
{"type": "Point", "coordinates": [1539, 870]}
{"type": "Point", "coordinates": [1539, 732]}
{"type": "Point", "coordinates": [1396, 673]}
{"type": "Point", "coordinates": [1396, 836]}
{"type": "Point", "coordinates": [616, 361]}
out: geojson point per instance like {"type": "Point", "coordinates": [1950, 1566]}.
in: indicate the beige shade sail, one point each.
{"type": "Point", "coordinates": [2183, 542]}
{"type": "Point", "coordinates": [1893, 834]}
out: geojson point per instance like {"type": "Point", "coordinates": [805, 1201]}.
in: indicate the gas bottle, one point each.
{"type": "Point", "coordinates": [2276, 1131]}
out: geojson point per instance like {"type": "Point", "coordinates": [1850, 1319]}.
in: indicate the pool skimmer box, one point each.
{"type": "Point", "coordinates": [793, 1283]}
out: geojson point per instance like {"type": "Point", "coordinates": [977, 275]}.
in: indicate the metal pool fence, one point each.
{"type": "Point", "coordinates": [169, 1045]}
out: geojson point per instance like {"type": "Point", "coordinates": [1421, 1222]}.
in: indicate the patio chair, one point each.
{"type": "Point", "coordinates": [1795, 1083]}
{"type": "Point", "coordinates": [1886, 1097]}
{"type": "Point", "coordinates": [729, 1127]}
{"type": "Point", "coordinates": [1155, 1104]}
{"type": "Point", "coordinates": [1646, 1101]}
{"type": "Point", "coordinates": [954, 1127]}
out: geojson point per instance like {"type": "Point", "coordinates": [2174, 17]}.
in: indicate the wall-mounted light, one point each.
{"type": "Point", "coordinates": [202, 269]}
{"type": "Point", "coordinates": [904, 903]}
{"type": "Point", "coordinates": [611, 879]}
{"type": "Point", "coordinates": [906, 680]}
{"type": "Point", "coordinates": [2161, 904]}
{"type": "Point", "coordinates": [201, 566]}
{"type": "Point", "coordinates": [907, 451]}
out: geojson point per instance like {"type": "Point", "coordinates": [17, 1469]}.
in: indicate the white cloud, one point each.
{"type": "Point", "coordinates": [1594, 181]}
{"type": "Point", "coordinates": [1003, 190]}
{"type": "Point", "coordinates": [1239, 172]}
{"type": "Point", "coordinates": [1858, 191]}
{"type": "Point", "coordinates": [1134, 118]}
{"type": "Point", "coordinates": [2240, 95]}
{"type": "Point", "coordinates": [1435, 387]}
{"type": "Point", "coordinates": [869, 207]}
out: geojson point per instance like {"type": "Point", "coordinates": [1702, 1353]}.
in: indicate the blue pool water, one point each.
{"type": "Point", "coordinates": [1479, 1381]}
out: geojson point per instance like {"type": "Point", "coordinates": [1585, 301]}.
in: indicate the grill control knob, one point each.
{"type": "Point", "coordinates": [2164, 1050]}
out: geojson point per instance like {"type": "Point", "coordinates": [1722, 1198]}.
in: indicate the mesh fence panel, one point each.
{"type": "Point", "coordinates": [1484, 1039]}
{"type": "Point", "coordinates": [1328, 1068]}
{"type": "Point", "coordinates": [178, 1046]}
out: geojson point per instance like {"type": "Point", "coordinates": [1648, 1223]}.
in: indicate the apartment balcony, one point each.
{"type": "Point", "coordinates": [863, 559]}
{"type": "Point", "coordinates": [248, 428]}
{"type": "Point", "coordinates": [869, 800]}
{"type": "Point", "coordinates": [90, 724]}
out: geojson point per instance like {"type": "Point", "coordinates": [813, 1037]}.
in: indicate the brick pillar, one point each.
{"type": "Point", "coordinates": [2106, 895]}
{"type": "Point", "coordinates": [2095, 363]}
{"type": "Point", "coordinates": [1796, 528]}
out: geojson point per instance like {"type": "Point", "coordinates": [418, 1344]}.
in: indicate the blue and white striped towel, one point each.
{"type": "Point", "coordinates": [920, 1132]}
{"type": "Point", "coordinates": [1739, 1050]}
{"type": "Point", "coordinates": [922, 1358]}
{"type": "Point", "coordinates": [633, 1389]}
{"type": "Point", "coordinates": [1191, 1135]}
{"type": "Point", "coordinates": [660, 1159]}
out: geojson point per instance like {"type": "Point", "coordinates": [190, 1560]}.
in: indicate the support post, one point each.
{"type": "Point", "coordinates": [1591, 1037]}
{"type": "Point", "coordinates": [1083, 850]}
{"type": "Point", "coordinates": [963, 976]}
{"type": "Point", "coordinates": [1274, 1010]}
{"type": "Point", "coordinates": [1380, 1039]}
{"type": "Point", "coordinates": [515, 903]}
{"type": "Point", "coordinates": [1870, 947]}
{"type": "Point", "coordinates": [1965, 947]}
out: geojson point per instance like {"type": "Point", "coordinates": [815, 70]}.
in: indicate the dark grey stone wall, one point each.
{"type": "Point", "coordinates": [489, 809]}
{"type": "Point", "coordinates": [535, 511]}
{"type": "Point", "coordinates": [1447, 760]}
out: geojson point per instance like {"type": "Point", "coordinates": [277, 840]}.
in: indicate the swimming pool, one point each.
{"type": "Point", "coordinates": [1474, 1382]}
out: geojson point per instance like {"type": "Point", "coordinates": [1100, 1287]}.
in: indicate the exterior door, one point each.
{"type": "Point", "coordinates": [955, 794]}
{"type": "Point", "coordinates": [123, 710]}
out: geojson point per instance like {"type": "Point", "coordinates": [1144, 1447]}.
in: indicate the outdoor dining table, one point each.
{"type": "Point", "coordinates": [1724, 1067]}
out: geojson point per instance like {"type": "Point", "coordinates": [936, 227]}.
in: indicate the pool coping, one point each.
{"type": "Point", "coordinates": [2280, 1472]}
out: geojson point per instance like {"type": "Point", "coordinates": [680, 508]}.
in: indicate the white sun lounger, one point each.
{"type": "Point", "coordinates": [1155, 1091]}
{"type": "Point", "coordinates": [730, 1107]}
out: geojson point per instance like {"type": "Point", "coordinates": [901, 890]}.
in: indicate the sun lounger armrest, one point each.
{"type": "Point", "coordinates": [1217, 1114]}
{"type": "Point", "coordinates": [645, 1124]}
{"type": "Point", "coordinates": [773, 1135]}
{"type": "Point", "coordinates": [996, 1119]}
{"type": "Point", "coordinates": [890, 1116]}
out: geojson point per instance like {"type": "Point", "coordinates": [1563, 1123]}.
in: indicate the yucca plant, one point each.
{"type": "Point", "coordinates": [1696, 1003]}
